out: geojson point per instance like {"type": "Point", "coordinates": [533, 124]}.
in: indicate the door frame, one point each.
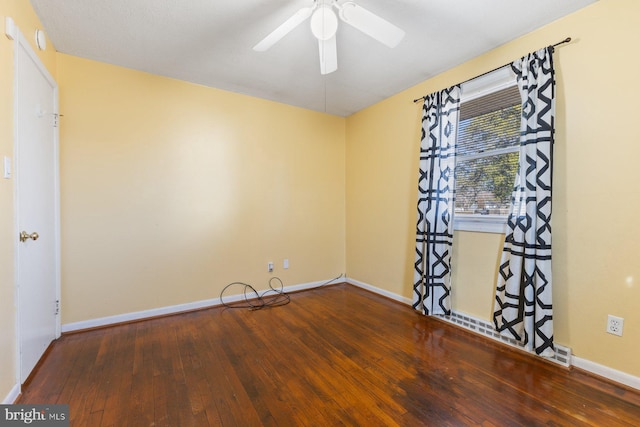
{"type": "Point", "coordinates": [21, 44]}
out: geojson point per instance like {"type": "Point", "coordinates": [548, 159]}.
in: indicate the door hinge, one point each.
{"type": "Point", "coordinates": [57, 307]}
{"type": "Point", "coordinates": [56, 119]}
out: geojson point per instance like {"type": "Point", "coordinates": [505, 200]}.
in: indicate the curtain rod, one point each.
{"type": "Point", "coordinates": [567, 40]}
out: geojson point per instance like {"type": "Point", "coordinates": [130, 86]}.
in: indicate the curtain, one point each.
{"type": "Point", "coordinates": [434, 231]}
{"type": "Point", "coordinates": [523, 306]}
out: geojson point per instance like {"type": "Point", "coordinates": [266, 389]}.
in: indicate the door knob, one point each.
{"type": "Point", "coordinates": [24, 236]}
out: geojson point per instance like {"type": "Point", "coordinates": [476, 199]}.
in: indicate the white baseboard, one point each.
{"type": "Point", "coordinates": [173, 309]}
{"type": "Point", "coordinates": [12, 396]}
{"type": "Point", "coordinates": [470, 323]}
{"type": "Point", "coordinates": [379, 291]}
{"type": "Point", "coordinates": [606, 372]}
{"type": "Point", "coordinates": [562, 354]}
{"type": "Point", "coordinates": [595, 368]}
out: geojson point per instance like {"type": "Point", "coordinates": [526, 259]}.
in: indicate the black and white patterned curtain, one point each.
{"type": "Point", "coordinates": [523, 308]}
{"type": "Point", "coordinates": [434, 234]}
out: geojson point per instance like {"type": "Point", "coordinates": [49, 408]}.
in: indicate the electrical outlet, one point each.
{"type": "Point", "coordinates": [615, 325]}
{"type": "Point", "coordinates": [270, 267]}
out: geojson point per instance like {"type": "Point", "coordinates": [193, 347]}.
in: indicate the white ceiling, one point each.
{"type": "Point", "coordinates": [210, 42]}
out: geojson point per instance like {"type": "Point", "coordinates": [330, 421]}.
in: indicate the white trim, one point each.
{"type": "Point", "coordinates": [485, 328]}
{"type": "Point", "coordinates": [21, 44]}
{"type": "Point", "coordinates": [603, 371]}
{"type": "Point", "coordinates": [595, 368]}
{"type": "Point", "coordinates": [488, 153]}
{"type": "Point", "coordinates": [470, 323]}
{"type": "Point", "coordinates": [494, 81]}
{"type": "Point", "coordinates": [379, 291]}
{"type": "Point", "coordinates": [10, 29]}
{"type": "Point", "coordinates": [173, 309]}
{"type": "Point", "coordinates": [478, 87]}
{"type": "Point", "coordinates": [606, 372]}
{"type": "Point", "coordinates": [12, 396]}
{"type": "Point", "coordinates": [480, 223]}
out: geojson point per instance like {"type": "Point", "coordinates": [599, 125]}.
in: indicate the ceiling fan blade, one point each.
{"type": "Point", "coordinates": [285, 28]}
{"type": "Point", "coordinates": [371, 24]}
{"type": "Point", "coordinates": [328, 55]}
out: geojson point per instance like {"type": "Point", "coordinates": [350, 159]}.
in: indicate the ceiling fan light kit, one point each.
{"type": "Point", "coordinates": [324, 26]}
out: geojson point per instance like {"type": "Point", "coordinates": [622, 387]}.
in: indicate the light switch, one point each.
{"type": "Point", "coordinates": [7, 167]}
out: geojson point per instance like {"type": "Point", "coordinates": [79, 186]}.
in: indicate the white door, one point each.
{"type": "Point", "coordinates": [37, 240]}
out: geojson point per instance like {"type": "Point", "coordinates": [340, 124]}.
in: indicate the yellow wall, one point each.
{"type": "Point", "coordinates": [171, 190]}
{"type": "Point", "coordinates": [24, 17]}
{"type": "Point", "coordinates": [596, 197]}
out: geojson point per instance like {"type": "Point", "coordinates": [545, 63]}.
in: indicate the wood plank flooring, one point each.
{"type": "Point", "coordinates": [334, 356]}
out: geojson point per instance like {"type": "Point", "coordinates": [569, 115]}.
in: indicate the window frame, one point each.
{"type": "Point", "coordinates": [494, 81]}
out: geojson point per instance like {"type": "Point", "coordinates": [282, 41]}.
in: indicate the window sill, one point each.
{"type": "Point", "coordinates": [480, 223]}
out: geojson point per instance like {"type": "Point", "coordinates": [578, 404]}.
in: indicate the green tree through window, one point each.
{"type": "Point", "coordinates": [487, 154]}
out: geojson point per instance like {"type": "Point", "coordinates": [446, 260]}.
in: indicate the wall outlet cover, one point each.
{"type": "Point", "coordinates": [615, 325]}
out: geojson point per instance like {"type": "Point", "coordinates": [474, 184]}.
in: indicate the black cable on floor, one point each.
{"type": "Point", "coordinates": [272, 297]}
{"type": "Point", "coordinates": [253, 300]}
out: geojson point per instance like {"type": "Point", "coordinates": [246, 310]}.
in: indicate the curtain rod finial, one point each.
{"type": "Point", "coordinates": [567, 40]}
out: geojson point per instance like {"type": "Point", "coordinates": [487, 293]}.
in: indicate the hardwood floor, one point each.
{"type": "Point", "coordinates": [333, 356]}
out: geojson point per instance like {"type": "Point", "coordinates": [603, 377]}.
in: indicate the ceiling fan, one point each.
{"type": "Point", "coordinates": [324, 25]}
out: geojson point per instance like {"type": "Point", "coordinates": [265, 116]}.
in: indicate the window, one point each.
{"type": "Point", "coordinates": [487, 152]}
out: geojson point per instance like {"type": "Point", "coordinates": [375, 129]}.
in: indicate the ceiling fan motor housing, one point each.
{"type": "Point", "coordinates": [324, 22]}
